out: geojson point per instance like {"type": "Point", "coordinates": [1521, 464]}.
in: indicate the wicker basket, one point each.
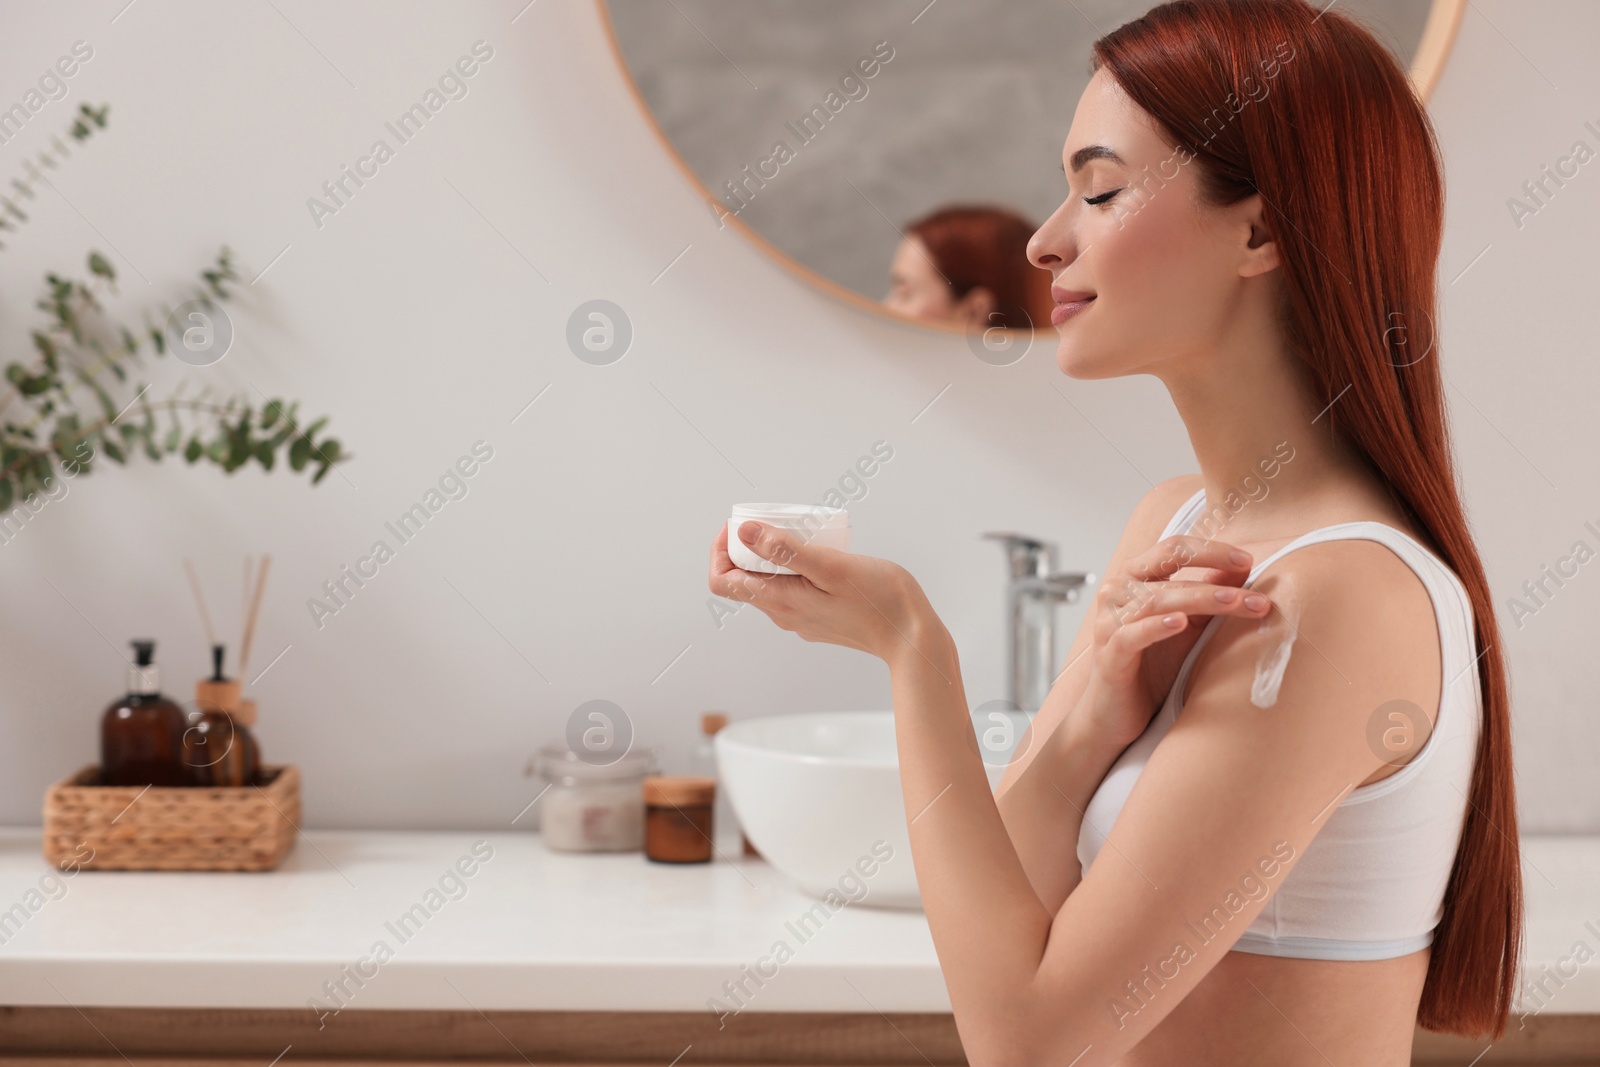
{"type": "Point", "coordinates": [162, 828]}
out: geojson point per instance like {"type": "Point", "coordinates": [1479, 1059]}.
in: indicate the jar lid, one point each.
{"type": "Point", "coordinates": [559, 764]}
{"type": "Point", "coordinates": [679, 790]}
{"type": "Point", "coordinates": [712, 721]}
{"type": "Point", "coordinates": [791, 514]}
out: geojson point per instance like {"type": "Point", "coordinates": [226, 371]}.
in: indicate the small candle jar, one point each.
{"type": "Point", "coordinates": [592, 808]}
{"type": "Point", "coordinates": [677, 819]}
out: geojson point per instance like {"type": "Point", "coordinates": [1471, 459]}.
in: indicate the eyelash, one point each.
{"type": "Point", "coordinates": [1102, 198]}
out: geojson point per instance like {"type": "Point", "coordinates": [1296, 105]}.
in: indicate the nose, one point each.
{"type": "Point", "coordinates": [1049, 244]}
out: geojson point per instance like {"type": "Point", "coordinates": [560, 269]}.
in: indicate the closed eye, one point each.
{"type": "Point", "coordinates": [1102, 198]}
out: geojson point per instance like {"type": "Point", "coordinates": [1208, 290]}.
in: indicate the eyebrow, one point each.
{"type": "Point", "coordinates": [1082, 156]}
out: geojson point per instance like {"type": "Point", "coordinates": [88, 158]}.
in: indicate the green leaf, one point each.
{"type": "Point", "coordinates": [174, 439]}
{"type": "Point", "coordinates": [328, 450]}
{"type": "Point", "coordinates": [6, 491]}
{"type": "Point", "coordinates": [322, 472]}
{"type": "Point", "coordinates": [270, 413]}
{"type": "Point", "coordinates": [47, 349]}
{"type": "Point", "coordinates": [98, 264]}
{"type": "Point", "coordinates": [64, 436]}
{"type": "Point", "coordinates": [239, 443]}
{"type": "Point", "coordinates": [263, 453]}
{"type": "Point", "coordinates": [100, 394]}
{"type": "Point", "coordinates": [113, 451]}
{"type": "Point", "coordinates": [78, 463]}
{"type": "Point", "coordinates": [193, 450]}
{"type": "Point", "coordinates": [298, 453]}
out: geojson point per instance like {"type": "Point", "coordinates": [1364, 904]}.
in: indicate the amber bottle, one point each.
{"type": "Point", "coordinates": [218, 749]}
{"type": "Point", "coordinates": [142, 733]}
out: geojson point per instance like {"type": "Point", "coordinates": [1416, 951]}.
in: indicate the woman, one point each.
{"type": "Point", "coordinates": [967, 265]}
{"type": "Point", "coordinates": [1320, 851]}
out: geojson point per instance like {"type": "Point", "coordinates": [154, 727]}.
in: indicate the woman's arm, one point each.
{"type": "Point", "coordinates": [1225, 803]}
{"type": "Point", "coordinates": [970, 871]}
{"type": "Point", "coordinates": [1232, 795]}
{"type": "Point", "coordinates": [1045, 790]}
{"type": "Point", "coordinates": [1043, 808]}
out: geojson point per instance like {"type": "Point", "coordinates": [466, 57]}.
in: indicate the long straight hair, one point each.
{"type": "Point", "coordinates": [1308, 109]}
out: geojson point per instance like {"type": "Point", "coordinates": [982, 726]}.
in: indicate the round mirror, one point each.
{"type": "Point", "coordinates": [899, 153]}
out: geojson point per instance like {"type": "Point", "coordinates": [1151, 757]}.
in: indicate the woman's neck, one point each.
{"type": "Point", "coordinates": [1265, 446]}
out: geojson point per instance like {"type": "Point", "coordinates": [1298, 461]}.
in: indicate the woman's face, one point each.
{"type": "Point", "coordinates": [1164, 271]}
{"type": "Point", "coordinates": [918, 290]}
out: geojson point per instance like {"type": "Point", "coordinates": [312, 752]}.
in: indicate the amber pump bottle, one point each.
{"type": "Point", "coordinates": [218, 749]}
{"type": "Point", "coordinates": [141, 734]}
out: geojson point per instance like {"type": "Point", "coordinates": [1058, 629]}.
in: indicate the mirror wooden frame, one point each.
{"type": "Point", "coordinates": [1438, 35]}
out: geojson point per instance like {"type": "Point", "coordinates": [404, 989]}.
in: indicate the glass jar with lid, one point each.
{"type": "Point", "coordinates": [593, 807]}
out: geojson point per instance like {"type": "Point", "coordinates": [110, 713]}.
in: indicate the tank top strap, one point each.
{"type": "Point", "coordinates": [1186, 517]}
{"type": "Point", "coordinates": [1451, 605]}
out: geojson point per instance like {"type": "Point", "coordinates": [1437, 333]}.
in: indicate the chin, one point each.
{"type": "Point", "coordinates": [1076, 361]}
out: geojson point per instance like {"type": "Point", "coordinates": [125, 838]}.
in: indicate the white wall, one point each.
{"type": "Point", "coordinates": [418, 319]}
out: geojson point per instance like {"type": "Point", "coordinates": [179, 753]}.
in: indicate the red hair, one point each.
{"type": "Point", "coordinates": [1307, 108]}
{"type": "Point", "coordinates": [974, 245]}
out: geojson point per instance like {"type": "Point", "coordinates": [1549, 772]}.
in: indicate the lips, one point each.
{"type": "Point", "coordinates": [1069, 296]}
{"type": "Point", "coordinates": [1069, 302]}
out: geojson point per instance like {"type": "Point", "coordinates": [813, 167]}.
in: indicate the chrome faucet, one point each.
{"type": "Point", "coordinates": [1032, 593]}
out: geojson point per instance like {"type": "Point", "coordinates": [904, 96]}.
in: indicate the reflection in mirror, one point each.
{"type": "Point", "coordinates": [967, 265]}
{"type": "Point", "coordinates": [899, 152]}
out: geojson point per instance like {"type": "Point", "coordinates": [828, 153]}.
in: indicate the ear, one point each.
{"type": "Point", "coordinates": [1260, 252]}
{"type": "Point", "coordinates": [977, 306]}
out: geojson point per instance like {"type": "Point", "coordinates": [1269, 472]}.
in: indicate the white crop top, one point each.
{"type": "Point", "coordinates": [1370, 885]}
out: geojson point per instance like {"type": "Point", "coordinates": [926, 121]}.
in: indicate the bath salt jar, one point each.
{"type": "Point", "coordinates": [591, 807]}
{"type": "Point", "coordinates": [813, 523]}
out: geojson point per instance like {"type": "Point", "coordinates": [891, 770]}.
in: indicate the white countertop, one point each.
{"type": "Point", "coordinates": [532, 929]}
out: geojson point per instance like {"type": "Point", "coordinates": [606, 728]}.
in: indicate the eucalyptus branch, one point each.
{"type": "Point", "coordinates": [86, 293]}
{"type": "Point", "coordinates": [87, 120]}
{"type": "Point", "coordinates": [70, 322]}
{"type": "Point", "coordinates": [72, 352]}
{"type": "Point", "coordinates": [327, 451]}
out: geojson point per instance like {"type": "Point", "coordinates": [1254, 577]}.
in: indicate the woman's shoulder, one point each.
{"type": "Point", "coordinates": [1349, 613]}
{"type": "Point", "coordinates": [1158, 507]}
{"type": "Point", "coordinates": [1150, 517]}
{"type": "Point", "coordinates": [1353, 582]}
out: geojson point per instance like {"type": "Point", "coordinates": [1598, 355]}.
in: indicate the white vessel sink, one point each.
{"type": "Point", "coordinates": [819, 795]}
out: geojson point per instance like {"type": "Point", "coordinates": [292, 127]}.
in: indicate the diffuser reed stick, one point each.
{"type": "Point", "coordinates": [255, 612]}
{"type": "Point", "coordinates": [199, 598]}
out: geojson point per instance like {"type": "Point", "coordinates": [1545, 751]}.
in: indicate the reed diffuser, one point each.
{"type": "Point", "coordinates": [219, 748]}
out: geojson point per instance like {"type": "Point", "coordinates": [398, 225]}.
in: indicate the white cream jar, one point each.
{"type": "Point", "coordinates": [812, 523]}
